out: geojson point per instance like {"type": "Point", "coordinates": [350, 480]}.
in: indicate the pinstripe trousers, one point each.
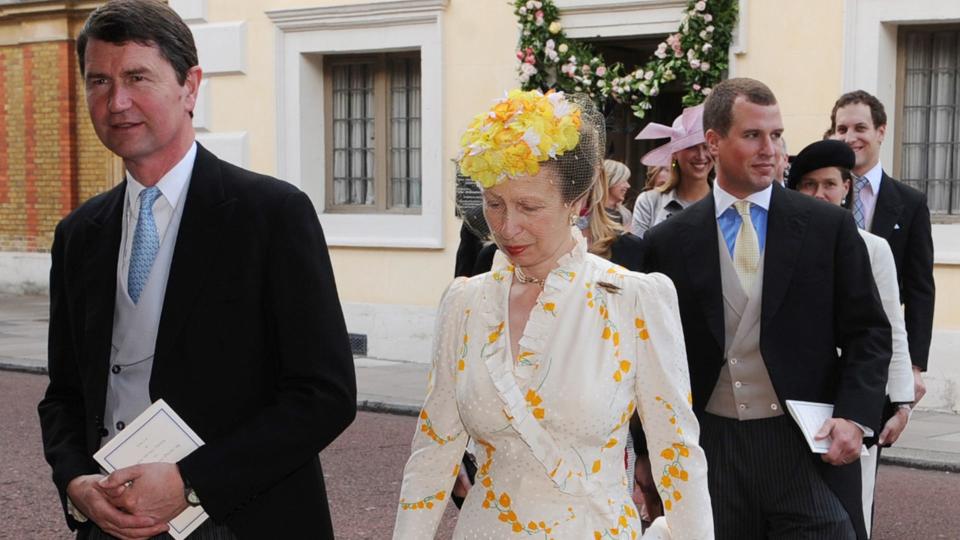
{"type": "Point", "coordinates": [764, 483]}
{"type": "Point", "coordinates": [208, 531]}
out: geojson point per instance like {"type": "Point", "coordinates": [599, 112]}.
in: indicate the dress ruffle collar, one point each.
{"type": "Point", "coordinates": [510, 377]}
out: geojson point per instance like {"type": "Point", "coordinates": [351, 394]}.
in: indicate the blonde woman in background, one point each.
{"type": "Point", "coordinates": [617, 183]}
{"type": "Point", "coordinates": [656, 177]}
{"type": "Point", "coordinates": [690, 164]}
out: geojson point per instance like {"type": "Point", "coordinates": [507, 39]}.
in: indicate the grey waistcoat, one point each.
{"type": "Point", "coordinates": [135, 336]}
{"type": "Point", "coordinates": [743, 390]}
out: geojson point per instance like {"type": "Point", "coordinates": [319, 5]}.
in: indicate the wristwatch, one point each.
{"type": "Point", "coordinates": [907, 406]}
{"type": "Point", "coordinates": [189, 494]}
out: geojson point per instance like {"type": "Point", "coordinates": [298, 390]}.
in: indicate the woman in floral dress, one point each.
{"type": "Point", "coordinates": [543, 360]}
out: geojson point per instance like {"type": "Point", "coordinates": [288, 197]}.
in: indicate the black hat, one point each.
{"type": "Point", "coordinates": [827, 153]}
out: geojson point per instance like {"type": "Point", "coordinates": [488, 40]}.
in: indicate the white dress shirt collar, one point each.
{"type": "Point", "coordinates": [874, 176]}
{"type": "Point", "coordinates": [171, 184]}
{"type": "Point", "coordinates": [723, 200]}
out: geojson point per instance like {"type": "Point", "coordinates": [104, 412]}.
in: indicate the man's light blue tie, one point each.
{"type": "Point", "coordinates": [859, 215]}
{"type": "Point", "coordinates": [146, 244]}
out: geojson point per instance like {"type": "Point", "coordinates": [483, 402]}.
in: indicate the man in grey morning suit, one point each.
{"type": "Point", "coordinates": [197, 282]}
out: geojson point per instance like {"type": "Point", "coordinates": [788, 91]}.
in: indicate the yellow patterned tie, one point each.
{"type": "Point", "coordinates": [746, 253]}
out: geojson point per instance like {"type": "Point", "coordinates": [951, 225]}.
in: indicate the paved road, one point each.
{"type": "Point", "coordinates": [363, 469]}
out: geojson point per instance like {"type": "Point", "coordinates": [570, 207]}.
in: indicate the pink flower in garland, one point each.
{"type": "Point", "coordinates": [674, 42]}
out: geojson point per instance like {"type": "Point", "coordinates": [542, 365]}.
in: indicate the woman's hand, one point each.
{"type": "Point", "coordinates": [894, 427]}
{"type": "Point", "coordinates": [462, 485]}
{"type": "Point", "coordinates": [645, 494]}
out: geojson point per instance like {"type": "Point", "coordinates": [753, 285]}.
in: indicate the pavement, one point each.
{"type": "Point", "coordinates": [931, 440]}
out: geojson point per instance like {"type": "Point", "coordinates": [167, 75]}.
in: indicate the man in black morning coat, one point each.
{"type": "Point", "coordinates": [197, 282]}
{"type": "Point", "coordinates": [754, 342]}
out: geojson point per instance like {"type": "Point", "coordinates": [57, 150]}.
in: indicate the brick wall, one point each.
{"type": "Point", "coordinates": [50, 157]}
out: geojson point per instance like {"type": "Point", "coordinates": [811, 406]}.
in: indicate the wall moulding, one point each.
{"type": "Point", "coordinates": [358, 15]}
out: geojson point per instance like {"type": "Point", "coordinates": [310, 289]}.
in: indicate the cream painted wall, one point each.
{"type": "Point", "coordinates": [946, 314]}
{"type": "Point", "coordinates": [796, 48]}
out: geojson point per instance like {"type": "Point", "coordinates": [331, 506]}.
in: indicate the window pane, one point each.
{"type": "Point", "coordinates": [354, 145]}
{"type": "Point", "coordinates": [404, 102]}
{"type": "Point", "coordinates": [352, 132]}
{"type": "Point", "coordinates": [931, 125]}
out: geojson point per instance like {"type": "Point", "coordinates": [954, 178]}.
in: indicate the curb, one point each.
{"type": "Point", "coordinates": [35, 370]}
{"type": "Point", "coordinates": [387, 408]}
{"type": "Point", "coordinates": [922, 459]}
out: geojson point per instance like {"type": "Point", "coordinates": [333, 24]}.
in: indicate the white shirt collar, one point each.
{"type": "Point", "coordinates": [171, 184]}
{"type": "Point", "coordinates": [723, 200]}
{"type": "Point", "coordinates": [874, 176]}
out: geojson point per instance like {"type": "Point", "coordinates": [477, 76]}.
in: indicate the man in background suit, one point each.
{"type": "Point", "coordinates": [197, 282]}
{"type": "Point", "coordinates": [770, 285]}
{"type": "Point", "coordinates": [894, 211]}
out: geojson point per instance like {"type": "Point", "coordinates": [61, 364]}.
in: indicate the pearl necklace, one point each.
{"type": "Point", "coordinates": [524, 278]}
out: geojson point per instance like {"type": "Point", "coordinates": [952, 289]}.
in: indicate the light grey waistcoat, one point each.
{"type": "Point", "coordinates": [743, 390]}
{"type": "Point", "coordinates": [135, 335]}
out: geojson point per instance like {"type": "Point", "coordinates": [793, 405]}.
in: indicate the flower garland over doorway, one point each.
{"type": "Point", "coordinates": [696, 55]}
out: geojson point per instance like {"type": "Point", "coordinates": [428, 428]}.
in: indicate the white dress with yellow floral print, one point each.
{"type": "Point", "coordinates": [550, 427]}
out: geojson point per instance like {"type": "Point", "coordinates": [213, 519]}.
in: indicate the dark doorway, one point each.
{"type": "Point", "coordinates": [622, 125]}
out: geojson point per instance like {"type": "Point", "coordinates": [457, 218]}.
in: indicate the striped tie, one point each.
{"type": "Point", "coordinates": [146, 244]}
{"type": "Point", "coordinates": [859, 215]}
{"type": "Point", "coordinates": [746, 252]}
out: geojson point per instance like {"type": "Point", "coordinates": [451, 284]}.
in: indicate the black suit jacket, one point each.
{"type": "Point", "coordinates": [251, 350]}
{"type": "Point", "coordinates": [902, 218]}
{"type": "Point", "coordinates": [818, 296]}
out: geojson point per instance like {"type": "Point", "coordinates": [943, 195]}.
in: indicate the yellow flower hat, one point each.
{"type": "Point", "coordinates": [518, 133]}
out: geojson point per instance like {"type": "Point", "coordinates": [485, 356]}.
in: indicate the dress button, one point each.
{"type": "Point", "coordinates": [115, 369]}
{"type": "Point", "coordinates": [103, 432]}
{"type": "Point", "coordinates": [120, 426]}
{"type": "Point", "coordinates": [742, 406]}
{"type": "Point", "coordinates": [774, 406]}
{"type": "Point", "coordinates": [738, 384]}
{"type": "Point", "coordinates": [733, 361]}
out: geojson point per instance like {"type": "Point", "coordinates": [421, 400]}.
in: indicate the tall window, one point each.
{"type": "Point", "coordinates": [373, 148]}
{"type": "Point", "coordinates": [929, 125]}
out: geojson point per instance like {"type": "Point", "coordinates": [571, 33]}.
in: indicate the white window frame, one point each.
{"type": "Point", "coordinates": [304, 36]}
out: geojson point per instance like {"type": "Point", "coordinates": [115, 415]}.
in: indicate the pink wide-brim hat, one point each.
{"type": "Point", "coordinates": [687, 131]}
